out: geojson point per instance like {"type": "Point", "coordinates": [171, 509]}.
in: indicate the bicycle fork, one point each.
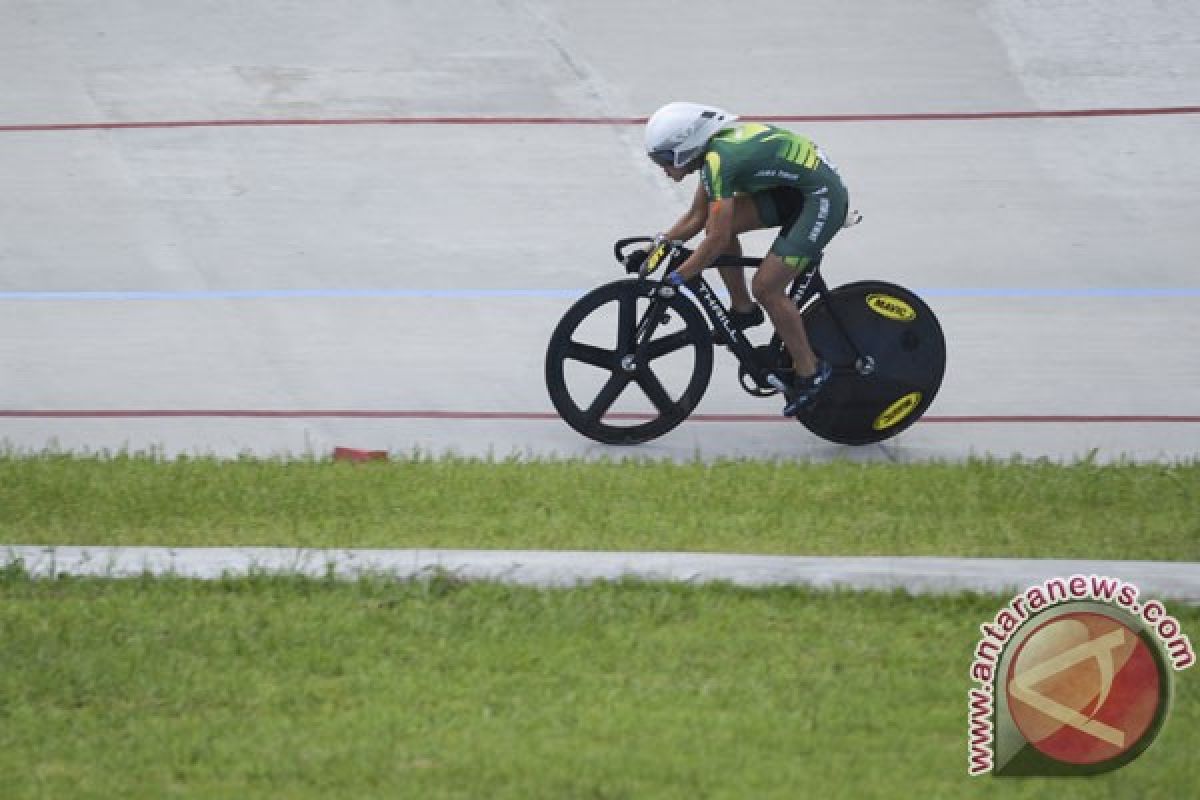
{"type": "Point", "coordinates": [655, 315]}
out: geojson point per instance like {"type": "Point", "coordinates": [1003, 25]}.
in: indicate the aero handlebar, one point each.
{"type": "Point", "coordinates": [682, 252]}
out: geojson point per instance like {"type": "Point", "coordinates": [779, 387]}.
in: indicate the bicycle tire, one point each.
{"type": "Point", "coordinates": [593, 416]}
{"type": "Point", "coordinates": [902, 336]}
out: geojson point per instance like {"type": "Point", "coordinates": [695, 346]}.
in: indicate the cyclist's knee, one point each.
{"type": "Point", "coordinates": [759, 289]}
{"type": "Point", "coordinates": [771, 281]}
{"type": "Point", "coordinates": [768, 300]}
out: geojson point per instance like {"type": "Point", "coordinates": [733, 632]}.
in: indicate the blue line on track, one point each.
{"type": "Point", "coordinates": [494, 294]}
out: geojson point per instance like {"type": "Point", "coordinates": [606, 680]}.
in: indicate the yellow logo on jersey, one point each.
{"type": "Point", "coordinates": [743, 132]}
{"type": "Point", "coordinates": [713, 160]}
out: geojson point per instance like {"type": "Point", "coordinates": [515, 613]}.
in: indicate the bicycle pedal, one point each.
{"type": "Point", "coordinates": [752, 387]}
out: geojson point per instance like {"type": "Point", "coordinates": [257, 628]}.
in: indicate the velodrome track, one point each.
{"type": "Point", "coordinates": [284, 231]}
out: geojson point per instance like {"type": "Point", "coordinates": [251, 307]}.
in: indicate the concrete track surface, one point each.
{"type": "Point", "coordinates": [282, 228]}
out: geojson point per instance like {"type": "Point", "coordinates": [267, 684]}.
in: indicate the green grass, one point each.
{"type": "Point", "coordinates": [313, 689]}
{"type": "Point", "coordinates": [973, 509]}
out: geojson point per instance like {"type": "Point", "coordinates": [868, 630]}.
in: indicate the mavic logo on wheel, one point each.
{"type": "Point", "coordinates": [891, 307]}
{"type": "Point", "coordinates": [897, 411]}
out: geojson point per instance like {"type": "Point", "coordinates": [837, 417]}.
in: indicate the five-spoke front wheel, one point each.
{"type": "Point", "coordinates": [625, 366]}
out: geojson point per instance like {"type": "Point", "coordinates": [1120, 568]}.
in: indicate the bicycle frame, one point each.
{"type": "Point", "coordinates": [807, 285]}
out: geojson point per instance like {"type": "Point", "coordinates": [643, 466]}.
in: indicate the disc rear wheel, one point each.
{"type": "Point", "coordinates": [877, 395]}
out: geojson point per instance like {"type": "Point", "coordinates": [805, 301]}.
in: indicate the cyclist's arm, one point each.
{"type": "Point", "coordinates": [693, 220]}
{"type": "Point", "coordinates": [718, 233]}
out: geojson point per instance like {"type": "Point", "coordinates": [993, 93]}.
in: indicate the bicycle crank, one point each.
{"type": "Point", "coordinates": [753, 387]}
{"type": "Point", "coordinates": [758, 383]}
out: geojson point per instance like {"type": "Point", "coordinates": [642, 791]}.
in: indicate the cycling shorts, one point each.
{"type": "Point", "coordinates": [806, 220]}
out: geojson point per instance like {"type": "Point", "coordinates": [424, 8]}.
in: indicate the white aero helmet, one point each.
{"type": "Point", "coordinates": [678, 132]}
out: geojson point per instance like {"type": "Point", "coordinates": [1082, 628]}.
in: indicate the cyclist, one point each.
{"type": "Point", "coordinates": [753, 176]}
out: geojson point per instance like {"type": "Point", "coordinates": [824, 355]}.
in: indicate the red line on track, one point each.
{"type": "Point", "coordinates": [516, 416]}
{"type": "Point", "coordinates": [533, 120]}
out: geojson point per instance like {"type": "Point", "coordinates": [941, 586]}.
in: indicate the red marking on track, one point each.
{"type": "Point", "coordinates": [356, 456]}
{"type": "Point", "coordinates": [536, 416]}
{"type": "Point", "coordinates": [935, 116]}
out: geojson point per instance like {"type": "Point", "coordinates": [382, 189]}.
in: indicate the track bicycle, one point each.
{"type": "Point", "coordinates": [631, 359]}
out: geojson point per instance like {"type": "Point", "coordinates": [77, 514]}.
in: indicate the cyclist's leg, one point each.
{"type": "Point", "coordinates": [770, 289]}
{"type": "Point", "coordinates": [735, 281]}
{"type": "Point", "coordinates": [801, 240]}
{"type": "Point", "coordinates": [745, 218]}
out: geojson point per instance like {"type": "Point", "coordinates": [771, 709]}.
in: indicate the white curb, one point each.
{"type": "Point", "coordinates": [919, 575]}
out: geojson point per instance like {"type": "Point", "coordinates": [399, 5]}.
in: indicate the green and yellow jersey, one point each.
{"type": "Point", "coordinates": [752, 157]}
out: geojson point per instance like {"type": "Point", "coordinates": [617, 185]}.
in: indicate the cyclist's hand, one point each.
{"type": "Point", "coordinates": [635, 260]}
{"type": "Point", "coordinates": [650, 258]}
{"type": "Point", "coordinates": [657, 254]}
